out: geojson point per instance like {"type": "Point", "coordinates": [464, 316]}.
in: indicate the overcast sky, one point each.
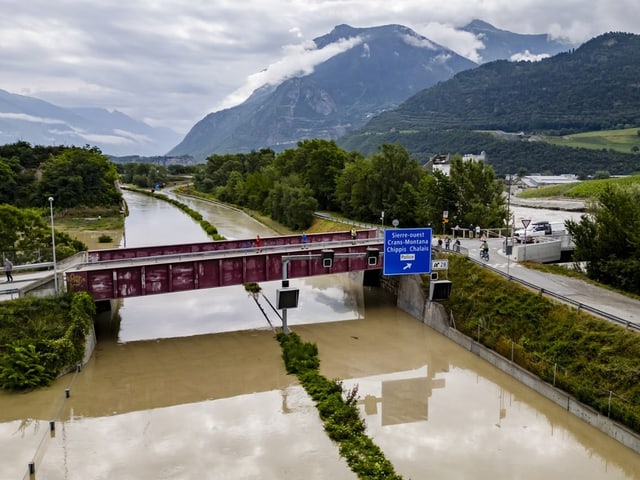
{"type": "Point", "coordinates": [170, 62]}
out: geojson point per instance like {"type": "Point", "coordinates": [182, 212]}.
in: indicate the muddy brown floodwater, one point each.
{"type": "Point", "coordinates": [192, 385]}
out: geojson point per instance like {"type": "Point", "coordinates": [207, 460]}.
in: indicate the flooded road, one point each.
{"type": "Point", "coordinates": [190, 386]}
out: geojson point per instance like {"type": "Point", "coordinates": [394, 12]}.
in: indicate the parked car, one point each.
{"type": "Point", "coordinates": [535, 230]}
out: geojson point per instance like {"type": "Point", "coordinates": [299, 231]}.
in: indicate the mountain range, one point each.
{"type": "Point", "coordinates": [37, 122]}
{"type": "Point", "coordinates": [384, 66]}
{"type": "Point", "coordinates": [592, 87]}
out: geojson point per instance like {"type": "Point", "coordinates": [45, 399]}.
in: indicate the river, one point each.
{"type": "Point", "coordinates": [191, 385]}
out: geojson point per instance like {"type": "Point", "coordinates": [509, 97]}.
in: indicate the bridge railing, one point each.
{"type": "Point", "coordinates": [313, 239]}
{"type": "Point", "coordinates": [164, 257]}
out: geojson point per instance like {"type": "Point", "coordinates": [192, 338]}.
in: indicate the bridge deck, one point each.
{"type": "Point", "coordinates": [122, 273]}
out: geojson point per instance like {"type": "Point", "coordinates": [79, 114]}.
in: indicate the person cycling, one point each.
{"type": "Point", "coordinates": [484, 250]}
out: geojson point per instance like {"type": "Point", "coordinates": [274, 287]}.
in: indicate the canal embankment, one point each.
{"type": "Point", "coordinates": [412, 298]}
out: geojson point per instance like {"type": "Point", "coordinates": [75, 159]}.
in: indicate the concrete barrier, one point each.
{"type": "Point", "coordinates": [544, 251]}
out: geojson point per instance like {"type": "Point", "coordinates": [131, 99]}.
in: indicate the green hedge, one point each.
{"type": "Point", "coordinates": [339, 413]}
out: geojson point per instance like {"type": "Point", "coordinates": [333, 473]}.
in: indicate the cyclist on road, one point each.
{"type": "Point", "coordinates": [484, 250]}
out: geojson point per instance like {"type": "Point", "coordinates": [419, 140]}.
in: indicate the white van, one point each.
{"type": "Point", "coordinates": [539, 229]}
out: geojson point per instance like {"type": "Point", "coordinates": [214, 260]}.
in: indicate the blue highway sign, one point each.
{"type": "Point", "coordinates": [407, 251]}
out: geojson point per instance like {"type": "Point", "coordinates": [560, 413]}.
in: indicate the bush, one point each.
{"type": "Point", "coordinates": [42, 338]}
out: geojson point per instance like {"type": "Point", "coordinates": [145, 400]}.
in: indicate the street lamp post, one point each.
{"type": "Point", "coordinates": [53, 246]}
{"type": "Point", "coordinates": [507, 240]}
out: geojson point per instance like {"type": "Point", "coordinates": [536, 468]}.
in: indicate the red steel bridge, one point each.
{"type": "Point", "coordinates": [133, 272]}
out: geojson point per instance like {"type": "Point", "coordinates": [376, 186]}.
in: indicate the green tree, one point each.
{"type": "Point", "coordinates": [319, 162]}
{"type": "Point", "coordinates": [601, 175]}
{"type": "Point", "coordinates": [391, 168]}
{"type": "Point", "coordinates": [292, 203]}
{"type": "Point", "coordinates": [351, 189]}
{"type": "Point", "coordinates": [608, 238]}
{"type": "Point", "coordinates": [80, 177]}
{"type": "Point", "coordinates": [438, 194]}
{"type": "Point", "coordinates": [8, 173]}
{"type": "Point", "coordinates": [26, 236]}
{"type": "Point", "coordinates": [479, 193]}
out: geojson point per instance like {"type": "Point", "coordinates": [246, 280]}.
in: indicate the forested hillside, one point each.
{"type": "Point", "coordinates": [506, 154]}
{"type": "Point", "coordinates": [594, 87]}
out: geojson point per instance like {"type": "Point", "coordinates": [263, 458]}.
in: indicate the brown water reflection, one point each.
{"type": "Point", "coordinates": [438, 411]}
{"type": "Point", "coordinates": [221, 406]}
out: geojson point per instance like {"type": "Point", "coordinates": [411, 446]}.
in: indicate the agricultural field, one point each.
{"type": "Point", "coordinates": [583, 190]}
{"type": "Point", "coordinates": [625, 140]}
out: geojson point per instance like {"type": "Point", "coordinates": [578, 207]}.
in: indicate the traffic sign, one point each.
{"type": "Point", "coordinates": [525, 222]}
{"type": "Point", "coordinates": [440, 265]}
{"type": "Point", "coordinates": [407, 251]}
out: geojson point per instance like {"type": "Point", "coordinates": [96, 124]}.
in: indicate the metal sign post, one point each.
{"type": "Point", "coordinates": [525, 224]}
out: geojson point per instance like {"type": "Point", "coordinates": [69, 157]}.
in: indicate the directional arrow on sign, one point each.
{"type": "Point", "coordinates": [407, 266]}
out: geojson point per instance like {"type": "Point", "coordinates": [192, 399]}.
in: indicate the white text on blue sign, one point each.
{"type": "Point", "coordinates": [407, 242]}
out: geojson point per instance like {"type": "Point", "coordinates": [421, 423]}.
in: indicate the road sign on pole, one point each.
{"type": "Point", "coordinates": [407, 251]}
{"type": "Point", "coordinates": [440, 264]}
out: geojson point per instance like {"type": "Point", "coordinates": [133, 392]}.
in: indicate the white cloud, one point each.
{"type": "Point", "coordinates": [527, 56]}
{"type": "Point", "coordinates": [419, 42]}
{"type": "Point", "coordinates": [300, 60]}
{"type": "Point", "coordinates": [29, 118]}
{"type": "Point", "coordinates": [170, 63]}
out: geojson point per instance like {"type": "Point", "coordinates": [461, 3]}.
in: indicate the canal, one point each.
{"type": "Point", "coordinates": [191, 385]}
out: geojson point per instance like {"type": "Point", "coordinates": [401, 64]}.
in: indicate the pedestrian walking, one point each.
{"type": "Point", "coordinates": [477, 231]}
{"type": "Point", "coordinates": [447, 243]}
{"type": "Point", "coordinates": [304, 240]}
{"type": "Point", "coordinates": [471, 230]}
{"type": "Point", "coordinates": [258, 241]}
{"type": "Point", "coordinates": [456, 245]}
{"type": "Point", "coordinates": [8, 267]}
{"type": "Point", "coordinates": [354, 235]}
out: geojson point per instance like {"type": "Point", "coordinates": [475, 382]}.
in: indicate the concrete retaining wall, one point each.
{"type": "Point", "coordinates": [413, 300]}
{"type": "Point", "coordinates": [545, 251]}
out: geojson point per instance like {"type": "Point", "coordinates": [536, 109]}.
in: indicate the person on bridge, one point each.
{"type": "Point", "coordinates": [354, 235]}
{"type": "Point", "coordinates": [304, 240]}
{"type": "Point", "coordinates": [8, 266]}
{"type": "Point", "coordinates": [258, 241]}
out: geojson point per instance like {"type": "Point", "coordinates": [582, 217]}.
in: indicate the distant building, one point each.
{"type": "Point", "coordinates": [442, 163]}
{"type": "Point", "coordinates": [536, 181]}
{"type": "Point", "coordinates": [439, 162]}
{"type": "Point", "coordinates": [475, 158]}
